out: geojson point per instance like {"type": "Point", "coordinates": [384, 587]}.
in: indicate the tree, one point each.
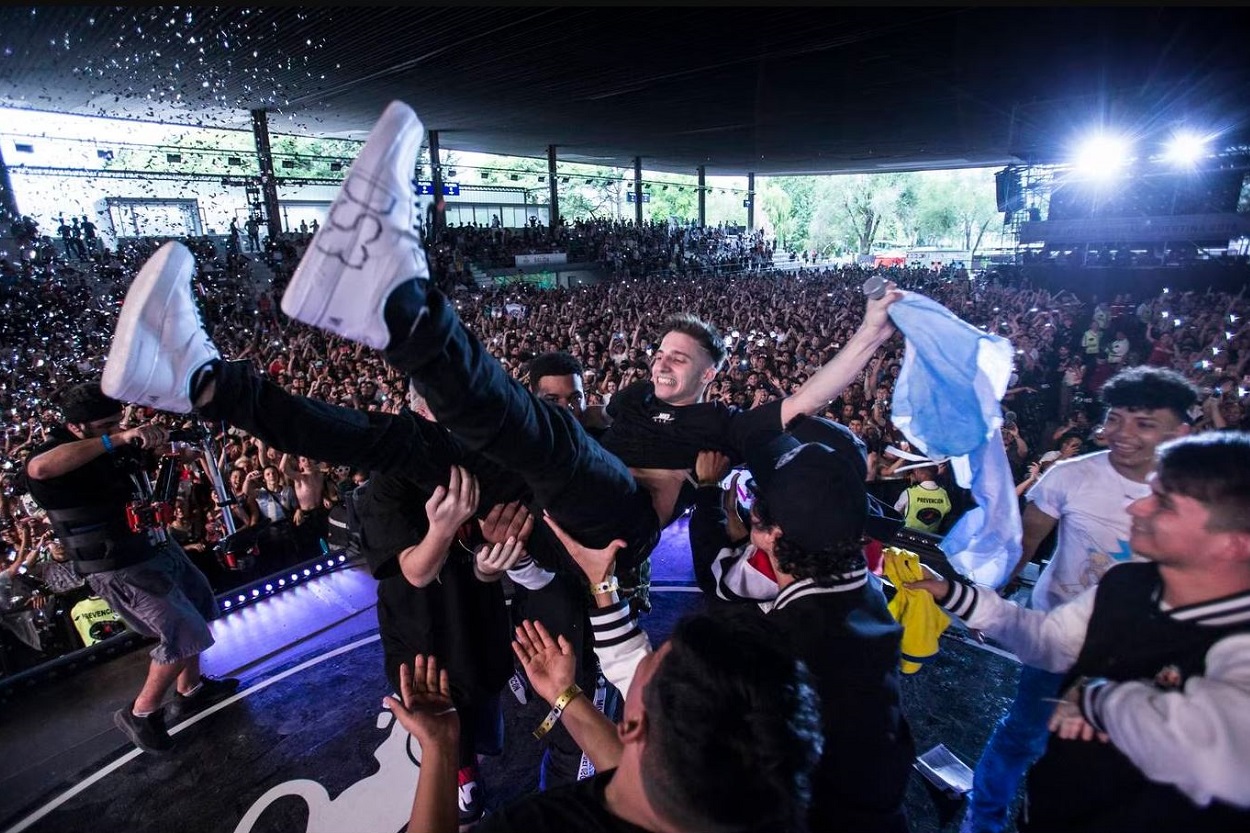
{"type": "Point", "coordinates": [973, 204]}
{"type": "Point", "coordinates": [778, 210]}
{"type": "Point", "coordinates": [672, 195]}
{"type": "Point", "coordinates": [799, 192]}
{"type": "Point", "coordinates": [855, 210]}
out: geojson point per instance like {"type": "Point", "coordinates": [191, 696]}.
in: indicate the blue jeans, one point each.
{"type": "Point", "coordinates": [1018, 741]}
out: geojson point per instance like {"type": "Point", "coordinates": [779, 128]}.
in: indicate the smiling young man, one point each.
{"type": "Point", "coordinates": [1153, 729]}
{"type": "Point", "coordinates": [1087, 499]}
{"type": "Point", "coordinates": [658, 427]}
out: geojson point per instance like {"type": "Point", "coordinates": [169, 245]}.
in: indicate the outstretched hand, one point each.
{"type": "Point", "coordinates": [877, 321]}
{"type": "Point", "coordinates": [451, 505]}
{"type": "Point", "coordinates": [507, 520]}
{"type": "Point", "coordinates": [493, 560]}
{"type": "Point", "coordinates": [425, 708]}
{"type": "Point", "coordinates": [711, 466]}
{"type": "Point", "coordinates": [932, 583]}
{"type": "Point", "coordinates": [1067, 721]}
{"type": "Point", "coordinates": [549, 663]}
{"type": "Point", "coordinates": [598, 565]}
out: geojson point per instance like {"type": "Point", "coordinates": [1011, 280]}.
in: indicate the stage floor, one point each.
{"type": "Point", "coordinates": [306, 745]}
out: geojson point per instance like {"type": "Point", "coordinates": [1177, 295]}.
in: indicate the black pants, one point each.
{"type": "Point", "coordinates": [588, 490]}
{"type": "Point", "coordinates": [424, 451]}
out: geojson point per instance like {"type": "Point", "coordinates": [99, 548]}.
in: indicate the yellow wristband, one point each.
{"type": "Point", "coordinates": [605, 587]}
{"type": "Point", "coordinates": [557, 709]}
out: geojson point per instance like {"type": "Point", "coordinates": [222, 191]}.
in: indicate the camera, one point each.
{"type": "Point", "coordinates": [187, 435]}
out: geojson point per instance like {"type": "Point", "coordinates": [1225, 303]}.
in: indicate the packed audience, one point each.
{"type": "Point", "coordinates": [780, 328]}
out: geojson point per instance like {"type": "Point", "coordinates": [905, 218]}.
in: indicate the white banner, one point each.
{"type": "Point", "coordinates": [1137, 229]}
{"type": "Point", "coordinates": [542, 259]}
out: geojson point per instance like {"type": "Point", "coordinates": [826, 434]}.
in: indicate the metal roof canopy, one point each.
{"type": "Point", "coordinates": [765, 90]}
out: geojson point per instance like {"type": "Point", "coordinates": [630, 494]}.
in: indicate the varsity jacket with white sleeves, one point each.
{"type": "Point", "coordinates": [1169, 686]}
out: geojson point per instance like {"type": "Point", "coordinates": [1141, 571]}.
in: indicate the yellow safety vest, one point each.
{"type": "Point", "coordinates": [95, 620]}
{"type": "Point", "coordinates": [926, 508]}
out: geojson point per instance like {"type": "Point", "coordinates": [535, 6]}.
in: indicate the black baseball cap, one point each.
{"type": "Point", "coordinates": [813, 479]}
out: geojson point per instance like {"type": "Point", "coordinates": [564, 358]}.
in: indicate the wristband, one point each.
{"type": "Point", "coordinates": [605, 587]}
{"type": "Point", "coordinates": [108, 444]}
{"type": "Point", "coordinates": [557, 710]}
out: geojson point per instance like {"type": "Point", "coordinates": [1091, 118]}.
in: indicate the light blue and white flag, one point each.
{"type": "Point", "coordinates": [947, 402]}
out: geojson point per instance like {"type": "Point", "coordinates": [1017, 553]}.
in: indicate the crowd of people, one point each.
{"type": "Point", "coordinates": [439, 419]}
{"type": "Point", "coordinates": [621, 248]}
{"type": "Point", "coordinates": [779, 328]}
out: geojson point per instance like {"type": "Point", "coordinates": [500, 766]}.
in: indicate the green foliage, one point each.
{"type": "Point", "coordinates": [843, 214]}
{"type": "Point", "coordinates": [202, 151]}
{"type": "Point", "coordinates": [312, 157]}
{"type": "Point", "coordinates": [791, 214]}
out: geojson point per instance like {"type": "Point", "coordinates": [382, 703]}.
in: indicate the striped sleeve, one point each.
{"type": "Point", "coordinates": [1091, 702]}
{"type": "Point", "coordinates": [619, 643]}
{"type": "Point", "coordinates": [960, 599]}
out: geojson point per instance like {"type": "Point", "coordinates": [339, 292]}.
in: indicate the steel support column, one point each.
{"type": "Point", "coordinates": [702, 196]}
{"type": "Point", "coordinates": [638, 190]}
{"type": "Point", "coordinates": [553, 211]}
{"type": "Point", "coordinates": [438, 217]}
{"type": "Point", "coordinates": [268, 181]}
{"type": "Point", "coordinates": [751, 202]}
{"type": "Point", "coordinates": [8, 200]}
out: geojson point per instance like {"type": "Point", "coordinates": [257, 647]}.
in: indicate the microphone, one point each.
{"type": "Point", "coordinates": [874, 287]}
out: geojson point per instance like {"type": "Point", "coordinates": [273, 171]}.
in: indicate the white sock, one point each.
{"type": "Point", "coordinates": [195, 689]}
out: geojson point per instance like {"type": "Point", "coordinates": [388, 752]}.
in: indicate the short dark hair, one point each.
{"type": "Point", "coordinates": [556, 363]}
{"type": "Point", "coordinates": [1212, 468]}
{"type": "Point", "coordinates": [86, 402]}
{"type": "Point", "coordinates": [701, 331]}
{"type": "Point", "coordinates": [1150, 388]}
{"type": "Point", "coordinates": [729, 706]}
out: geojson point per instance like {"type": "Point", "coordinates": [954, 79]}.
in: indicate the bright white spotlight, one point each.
{"type": "Point", "coordinates": [1185, 149]}
{"type": "Point", "coordinates": [1101, 156]}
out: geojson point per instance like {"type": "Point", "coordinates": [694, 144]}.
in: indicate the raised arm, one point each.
{"type": "Point", "coordinates": [829, 382]}
{"type": "Point", "coordinates": [550, 667]}
{"type": "Point", "coordinates": [448, 508]}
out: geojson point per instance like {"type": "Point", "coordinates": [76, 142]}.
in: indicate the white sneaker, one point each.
{"type": "Point", "coordinates": [368, 244]}
{"type": "Point", "coordinates": [160, 342]}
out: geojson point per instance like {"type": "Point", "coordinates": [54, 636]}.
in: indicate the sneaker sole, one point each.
{"type": "Point", "coordinates": [316, 287]}
{"type": "Point", "coordinates": [129, 370]}
{"type": "Point", "coordinates": [120, 723]}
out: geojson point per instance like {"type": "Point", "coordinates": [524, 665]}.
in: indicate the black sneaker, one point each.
{"type": "Point", "coordinates": [147, 733]}
{"type": "Point", "coordinates": [211, 691]}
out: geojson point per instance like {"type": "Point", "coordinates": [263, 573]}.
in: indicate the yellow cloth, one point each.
{"type": "Point", "coordinates": [94, 620]}
{"type": "Point", "coordinates": [922, 620]}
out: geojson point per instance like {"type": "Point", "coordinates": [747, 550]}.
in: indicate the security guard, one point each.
{"type": "Point", "coordinates": [924, 504]}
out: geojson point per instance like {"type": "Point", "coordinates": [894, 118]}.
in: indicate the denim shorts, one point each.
{"type": "Point", "coordinates": [166, 598]}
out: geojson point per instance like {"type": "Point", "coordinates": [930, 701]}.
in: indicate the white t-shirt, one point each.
{"type": "Point", "coordinates": [1091, 500]}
